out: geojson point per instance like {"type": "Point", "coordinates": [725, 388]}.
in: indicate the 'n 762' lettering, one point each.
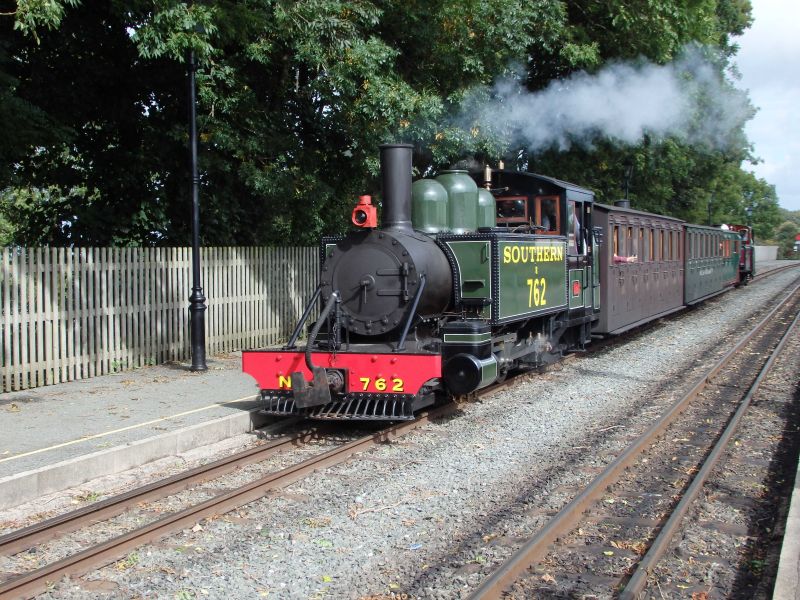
{"type": "Point", "coordinates": [368, 384]}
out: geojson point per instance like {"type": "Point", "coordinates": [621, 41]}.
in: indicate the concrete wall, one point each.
{"type": "Point", "coordinates": [766, 253]}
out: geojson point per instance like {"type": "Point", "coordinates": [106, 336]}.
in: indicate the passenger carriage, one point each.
{"type": "Point", "coordinates": [641, 266]}
{"type": "Point", "coordinates": [712, 262]}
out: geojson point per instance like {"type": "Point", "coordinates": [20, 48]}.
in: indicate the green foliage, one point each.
{"type": "Point", "coordinates": [172, 28]}
{"type": "Point", "coordinates": [32, 15]}
{"type": "Point", "coordinates": [784, 238]}
{"type": "Point", "coordinates": [296, 95]}
{"type": "Point", "coordinates": [790, 215]}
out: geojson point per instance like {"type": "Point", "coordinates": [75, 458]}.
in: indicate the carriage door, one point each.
{"type": "Point", "coordinates": [580, 286]}
{"type": "Point", "coordinates": [594, 260]}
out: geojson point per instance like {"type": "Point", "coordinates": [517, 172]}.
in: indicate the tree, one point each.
{"type": "Point", "coordinates": [785, 236]}
{"type": "Point", "coordinates": [295, 97]}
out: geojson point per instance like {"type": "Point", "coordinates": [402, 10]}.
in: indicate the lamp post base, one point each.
{"type": "Point", "coordinates": [197, 323]}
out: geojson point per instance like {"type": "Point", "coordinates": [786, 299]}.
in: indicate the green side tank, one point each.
{"type": "Point", "coordinates": [487, 209]}
{"type": "Point", "coordinates": [462, 204]}
{"type": "Point", "coordinates": [428, 206]}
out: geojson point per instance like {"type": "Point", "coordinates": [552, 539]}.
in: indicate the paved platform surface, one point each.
{"type": "Point", "coordinates": [787, 584]}
{"type": "Point", "coordinates": [119, 421]}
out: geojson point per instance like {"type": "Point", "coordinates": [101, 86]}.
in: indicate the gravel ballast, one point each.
{"type": "Point", "coordinates": [432, 514]}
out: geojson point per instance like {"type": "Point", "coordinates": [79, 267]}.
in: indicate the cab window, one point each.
{"type": "Point", "coordinates": [573, 228]}
{"type": "Point", "coordinates": [512, 210]}
{"type": "Point", "coordinates": [548, 215]}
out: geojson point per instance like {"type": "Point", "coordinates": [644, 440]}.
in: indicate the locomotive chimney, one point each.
{"type": "Point", "coordinates": [396, 179]}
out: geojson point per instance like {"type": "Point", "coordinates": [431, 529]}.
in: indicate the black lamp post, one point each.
{"type": "Point", "coordinates": [197, 301]}
{"type": "Point", "coordinates": [710, 203]}
{"type": "Point", "coordinates": [749, 208]}
{"type": "Point", "coordinates": [627, 176]}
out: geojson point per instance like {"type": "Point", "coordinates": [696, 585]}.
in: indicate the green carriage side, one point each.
{"type": "Point", "coordinates": [712, 261]}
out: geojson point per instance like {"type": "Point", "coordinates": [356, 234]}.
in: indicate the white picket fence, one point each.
{"type": "Point", "coordinates": [72, 313]}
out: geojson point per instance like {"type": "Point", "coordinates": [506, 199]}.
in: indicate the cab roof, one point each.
{"type": "Point", "coordinates": [533, 183]}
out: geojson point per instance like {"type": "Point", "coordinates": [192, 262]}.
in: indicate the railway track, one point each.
{"type": "Point", "coordinates": [774, 271]}
{"type": "Point", "coordinates": [36, 581]}
{"type": "Point", "coordinates": [611, 536]}
{"type": "Point", "coordinates": [30, 583]}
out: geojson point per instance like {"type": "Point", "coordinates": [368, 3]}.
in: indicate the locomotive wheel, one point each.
{"type": "Point", "coordinates": [502, 373]}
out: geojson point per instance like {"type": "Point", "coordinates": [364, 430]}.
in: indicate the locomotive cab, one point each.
{"type": "Point", "coordinates": [747, 263]}
{"type": "Point", "coordinates": [539, 213]}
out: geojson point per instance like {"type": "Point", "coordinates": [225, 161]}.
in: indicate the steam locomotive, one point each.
{"type": "Point", "coordinates": [461, 284]}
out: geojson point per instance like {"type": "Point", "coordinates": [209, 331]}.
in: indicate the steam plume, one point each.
{"type": "Point", "coordinates": [623, 102]}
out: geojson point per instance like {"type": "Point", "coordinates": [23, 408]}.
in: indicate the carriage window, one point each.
{"type": "Point", "coordinates": [630, 248]}
{"type": "Point", "coordinates": [643, 257]}
{"type": "Point", "coordinates": [661, 244]}
{"type": "Point", "coordinates": [652, 244]}
{"type": "Point", "coordinates": [671, 246]}
{"type": "Point", "coordinates": [615, 244]}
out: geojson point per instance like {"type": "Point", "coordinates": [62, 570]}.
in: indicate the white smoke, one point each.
{"type": "Point", "coordinates": [623, 102]}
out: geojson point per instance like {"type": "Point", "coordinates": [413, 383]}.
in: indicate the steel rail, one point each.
{"type": "Point", "coordinates": [41, 532]}
{"type": "Point", "coordinates": [660, 545]}
{"type": "Point", "coordinates": [537, 547]}
{"type": "Point", "coordinates": [774, 271]}
{"type": "Point", "coordinates": [29, 584]}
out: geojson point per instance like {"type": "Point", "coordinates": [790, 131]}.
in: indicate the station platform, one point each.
{"type": "Point", "coordinates": [787, 582]}
{"type": "Point", "coordinates": [60, 436]}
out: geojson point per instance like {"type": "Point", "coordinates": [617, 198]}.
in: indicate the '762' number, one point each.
{"type": "Point", "coordinates": [536, 291]}
{"type": "Point", "coordinates": [381, 384]}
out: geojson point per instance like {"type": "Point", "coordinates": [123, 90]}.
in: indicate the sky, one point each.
{"type": "Point", "coordinates": [769, 62]}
